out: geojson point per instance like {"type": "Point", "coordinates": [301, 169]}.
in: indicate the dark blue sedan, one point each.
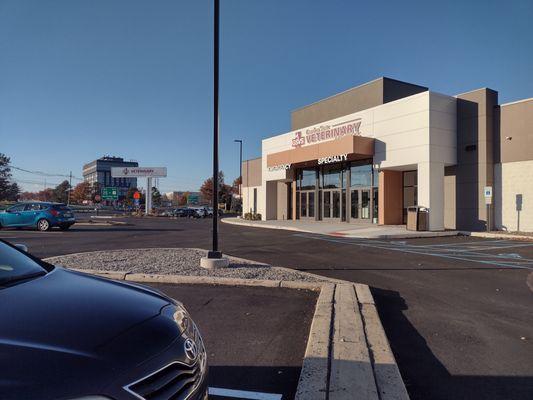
{"type": "Point", "coordinates": [69, 335]}
{"type": "Point", "coordinates": [41, 215]}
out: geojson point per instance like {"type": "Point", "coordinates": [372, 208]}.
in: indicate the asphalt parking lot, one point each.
{"type": "Point", "coordinates": [255, 337]}
{"type": "Point", "coordinates": [457, 310]}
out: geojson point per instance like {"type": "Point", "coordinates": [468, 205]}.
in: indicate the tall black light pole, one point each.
{"type": "Point", "coordinates": [214, 253]}
{"type": "Point", "coordinates": [240, 166]}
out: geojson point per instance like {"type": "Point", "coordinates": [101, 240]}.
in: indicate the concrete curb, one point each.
{"type": "Point", "coordinates": [348, 355]}
{"type": "Point", "coordinates": [347, 352]}
{"type": "Point", "coordinates": [313, 382]}
{"type": "Point", "coordinates": [200, 280]}
{"type": "Point", "coordinates": [351, 368]}
{"type": "Point", "coordinates": [495, 235]}
{"type": "Point", "coordinates": [320, 279]}
{"type": "Point", "coordinates": [341, 234]}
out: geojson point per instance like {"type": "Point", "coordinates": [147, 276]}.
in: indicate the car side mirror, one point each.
{"type": "Point", "coordinates": [22, 247]}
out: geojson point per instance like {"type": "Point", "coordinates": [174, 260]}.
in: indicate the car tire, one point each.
{"type": "Point", "coordinates": [64, 227]}
{"type": "Point", "coordinates": [43, 225]}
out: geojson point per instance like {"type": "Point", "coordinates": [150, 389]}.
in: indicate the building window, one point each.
{"type": "Point", "coordinates": [307, 179]}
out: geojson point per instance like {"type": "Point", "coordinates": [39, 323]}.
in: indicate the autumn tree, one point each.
{"type": "Point", "coordinates": [81, 192]}
{"type": "Point", "coordinates": [223, 190]}
{"type": "Point", "coordinates": [183, 199]}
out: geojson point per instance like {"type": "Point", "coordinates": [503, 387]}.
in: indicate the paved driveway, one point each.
{"type": "Point", "coordinates": [458, 311]}
{"type": "Point", "coordinates": [255, 337]}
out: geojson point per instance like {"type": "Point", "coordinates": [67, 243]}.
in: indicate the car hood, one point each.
{"type": "Point", "coordinates": [66, 326]}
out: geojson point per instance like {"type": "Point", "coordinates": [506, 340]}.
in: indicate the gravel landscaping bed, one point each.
{"type": "Point", "coordinates": [177, 261]}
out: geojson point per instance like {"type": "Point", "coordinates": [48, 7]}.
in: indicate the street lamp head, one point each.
{"type": "Point", "coordinates": [237, 140]}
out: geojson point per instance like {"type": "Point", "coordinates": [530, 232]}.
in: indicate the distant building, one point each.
{"type": "Point", "coordinates": [100, 171]}
{"type": "Point", "coordinates": [194, 198]}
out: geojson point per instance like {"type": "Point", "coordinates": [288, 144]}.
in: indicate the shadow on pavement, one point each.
{"type": "Point", "coordinates": [424, 375]}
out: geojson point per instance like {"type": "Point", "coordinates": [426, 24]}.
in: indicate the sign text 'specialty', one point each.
{"type": "Point", "coordinates": [332, 159]}
{"type": "Point", "coordinates": [280, 167]}
{"type": "Point", "coordinates": [327, 132]}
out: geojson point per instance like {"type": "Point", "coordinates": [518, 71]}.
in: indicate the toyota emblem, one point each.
{"type": "Point", "coordinates": [191, 349]}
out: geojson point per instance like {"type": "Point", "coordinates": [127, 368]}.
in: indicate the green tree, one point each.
{"type": "Point", "coordinates": [60, 193]}
{"type": "Point", "coordinates": [156, 197]}
{"type": "Point", "coordinates": [8, 190]}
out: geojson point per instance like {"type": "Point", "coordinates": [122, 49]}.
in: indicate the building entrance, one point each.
{"type": "Point", "coordinates": [331, 205]}
{"type": "Point", "coordinates": [338, 192]}
{"type": "Point", "coordinates": [360, 204]}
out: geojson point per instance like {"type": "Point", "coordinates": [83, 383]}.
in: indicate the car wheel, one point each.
{"type": "Point", "coordinates": [64, 227]}
{"type": "Point", "coordinates": [43, 225]}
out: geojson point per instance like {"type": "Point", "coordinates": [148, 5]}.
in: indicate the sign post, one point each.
{"type": "Point", "coordinates": [487, 193]}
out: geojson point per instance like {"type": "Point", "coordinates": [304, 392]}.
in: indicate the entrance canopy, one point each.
{"type": "Point", "coordinates": [353, 147]}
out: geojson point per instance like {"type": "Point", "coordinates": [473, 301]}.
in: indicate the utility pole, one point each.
{"type": "Point", "coordinates": [69, 188]}
{"type": "Point", "coordinates": [240, 165]}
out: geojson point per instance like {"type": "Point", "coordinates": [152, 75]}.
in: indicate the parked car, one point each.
{"type": "Point", "coordinates": [70, 335]}
{"type": "Point", "coordinates": [41, 215]}
{"type": "Point", "coordinates": [200, 212]}
{"type": "Point", "coordinates": [185, 212]}
{"type": "Point", "coordinates": [209, 211]}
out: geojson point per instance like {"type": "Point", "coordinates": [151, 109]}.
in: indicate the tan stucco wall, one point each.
{"type": "Point", "coordinates": [514, 179]}
{"type": "Point", "coordinates": [390, 207]}
{"type": "Point", "coordinates": [450, 199]}
{"type": "Point", "coordinates": [475, 169]}
{"type": "Point", "coordinates": [251, 172]}
{"type": "Point", "coordinates": [282, 201]}
{"type": "Point", "coordinates": [515, 132]}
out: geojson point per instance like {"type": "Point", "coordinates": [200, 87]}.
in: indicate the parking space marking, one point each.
{"type": "Point", "coordinates": [452, 252]}
{"type": "Point", "coordinates": [243, 394]}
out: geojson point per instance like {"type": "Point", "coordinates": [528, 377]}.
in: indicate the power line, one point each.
{"type": "Point", "coordinates": [41, 173]}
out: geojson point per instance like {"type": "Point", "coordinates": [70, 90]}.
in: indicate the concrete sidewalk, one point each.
{"type": "Point", "coordinates": [352, 230]}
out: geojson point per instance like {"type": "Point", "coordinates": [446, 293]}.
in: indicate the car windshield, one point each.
{"type": "Point", "coordinates": [16, 267]}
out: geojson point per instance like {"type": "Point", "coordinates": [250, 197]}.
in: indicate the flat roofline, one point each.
{"type": "Point", "coordinates": [476, 90]}
{"type": "Point", "coordinates": [516, 102]}
{"type": "Point", "coordinates": [252, 159]}
{"type": "Point", "coordinates": [381, 78]}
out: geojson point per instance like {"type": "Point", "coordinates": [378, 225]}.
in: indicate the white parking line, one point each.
{"type": "Point", "coordinates": [243, 394]}
{"type": "Point", "coordinates": [493, 259]}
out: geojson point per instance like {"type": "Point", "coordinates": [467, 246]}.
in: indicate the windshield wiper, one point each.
{"type": "Point", "coordinates": [18, 279]}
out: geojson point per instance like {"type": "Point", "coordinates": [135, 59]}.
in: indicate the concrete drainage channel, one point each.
{"type": "Point", "coordinates": [347, 355]}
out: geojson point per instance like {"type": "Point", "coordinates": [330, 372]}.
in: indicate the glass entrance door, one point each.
{"type": "Point", "coordinates": [360, 204]}
{"type": "Point", "coordinates": [331, 204]}
{"type": "Point", "coordinates": [307, 204]}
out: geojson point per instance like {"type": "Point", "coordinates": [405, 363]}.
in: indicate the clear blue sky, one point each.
{"type": "Point", "coordinates": [80, 79]}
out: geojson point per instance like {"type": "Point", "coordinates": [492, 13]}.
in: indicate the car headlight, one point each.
{"type": "Point", "coordinates": [182, 317]}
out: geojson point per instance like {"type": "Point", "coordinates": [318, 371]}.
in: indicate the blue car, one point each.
{"type": "Point", "coordinates": [40, 215]}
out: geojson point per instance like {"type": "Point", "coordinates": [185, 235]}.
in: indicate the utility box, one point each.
{"type": "Point", "coordinates": [417, 218]}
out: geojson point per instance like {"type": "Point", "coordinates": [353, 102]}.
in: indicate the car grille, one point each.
{"type": "Point", "coordinates": [176, 381]}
